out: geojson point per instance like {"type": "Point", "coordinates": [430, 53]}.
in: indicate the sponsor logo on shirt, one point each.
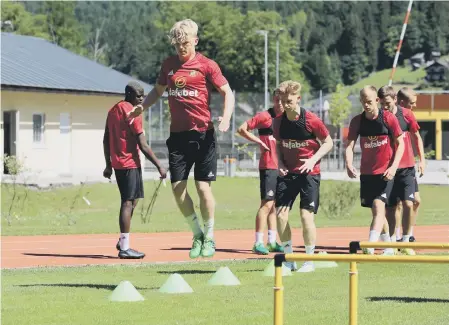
{"type": "Point", "coordinates": [179, 91]}
{"type": "Point", "coordinates": [293, 144]}
{"type": "Point", "coordinates": [374, 142]}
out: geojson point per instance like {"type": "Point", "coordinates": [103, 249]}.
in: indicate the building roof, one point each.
{"type": "Point", "coordinates": [35, 63]}
{"type": "Point", "coordinates": [441, 62]}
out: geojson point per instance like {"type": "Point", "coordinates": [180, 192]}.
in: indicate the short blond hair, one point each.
{"type": "Point", "coordinates": [367, 89]}
{"type": "Point", "coordinates": [289, 87]}
{"type": "Point", "coordinates": [182, 30]}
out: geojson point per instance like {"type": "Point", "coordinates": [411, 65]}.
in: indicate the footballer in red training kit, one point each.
{"type": "Point", "coordinates": [268, 174]}
{"type": "Point", "coordinates": [382, 147]}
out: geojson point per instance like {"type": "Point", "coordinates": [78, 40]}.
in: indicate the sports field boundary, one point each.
{"type": "Point", "coordinates": [172, 247]}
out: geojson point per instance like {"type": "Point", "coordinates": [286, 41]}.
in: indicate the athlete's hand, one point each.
{"type": "Point", "coordinates": [264, 146]}
{"type": "Point", "coordinates": [307, 166]}
{"type": "Point", "coordinates": [224, 124]}
{"type": "Point", "coordinates": [283, 171]}
{"type": "Point", "coordinates": [137, 110]}
{"type": "Point", "coordinates": [421, 167]}
{"type": "Point", "coordinates": [162, 172]}
{"type": "Point", "coordinates": [107, 172]}
{"type": "Point", "coordinates": [351, 171]}
{"type": "Point", "coordinates": [389, 173]}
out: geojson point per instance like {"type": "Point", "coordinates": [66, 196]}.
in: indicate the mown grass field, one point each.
{"type": "Point", "coordinates": [63, 211]}
{"type": "Point", "coordinates": [388, 294]}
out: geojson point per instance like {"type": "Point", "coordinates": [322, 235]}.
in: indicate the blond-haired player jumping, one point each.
{"type": "Point", "coordinates": [189, 78]}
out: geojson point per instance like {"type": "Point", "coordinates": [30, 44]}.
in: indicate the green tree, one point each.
{"type": "Point", "coordinates": [63, 27]}
{"type": "Point", "coordinates": [340, 106]}
{"type": "Point", "coordinates": [23, 22]}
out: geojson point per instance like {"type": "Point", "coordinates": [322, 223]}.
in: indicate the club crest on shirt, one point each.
{"type": "Point", "coordinates": [193, 73]}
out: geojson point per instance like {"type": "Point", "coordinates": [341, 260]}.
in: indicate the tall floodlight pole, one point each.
{"type": "Point", "coordinates": [278, 32]}
{"type": "Point", "coordinates": [265, 34]}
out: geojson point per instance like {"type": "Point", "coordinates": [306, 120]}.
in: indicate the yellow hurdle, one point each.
{"type": "Point", "coordinates": [353, 273]}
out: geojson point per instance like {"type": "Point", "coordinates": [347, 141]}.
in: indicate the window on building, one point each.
{"type": "Point", "coordinates": [38, 128]}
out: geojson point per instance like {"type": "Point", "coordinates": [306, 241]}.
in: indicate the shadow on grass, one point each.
{"type": "Point", "coordinates": [78, 285]}
{"type": "Point", "coordinates": [73, 255]}
{"type": "Point", "coordinates": [187, 272]}
{"type": "Point", "coordinates": [407, 299]}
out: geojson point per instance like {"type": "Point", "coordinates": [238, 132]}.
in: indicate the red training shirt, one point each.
{"type": "Point", "coordinates": [409, 126]}
{"type": "Point", "coordinates": [268, 159]}
{"type": "Point", "coordinates": [375, 140]}
{"type": "Point", "coordinates": [299, 139]}
{"type": "Point", "coordinates": [189, 87]}
{"type": "Point", "coordinates": [124, 147]}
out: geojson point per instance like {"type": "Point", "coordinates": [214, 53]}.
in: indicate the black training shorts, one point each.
{"type": "Point", "coordinates": [307, 186]}
{"type": "Point", "coordinates": [192, 147]}
{"type": "Point", "coordinates": [403, 186]}
{"type": "Point", "coordinates": [374, 187]}
{"type": "Point", "coordinates": [130, 183]}
{"type": "Point", "coordinates": [268, 183]}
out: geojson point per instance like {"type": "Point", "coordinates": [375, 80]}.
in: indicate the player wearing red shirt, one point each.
{"type": "Point", "coordinates": [189, 77]}
{"type": "Point", "coordinates": [121, 143]}
{"type": "Point", "coordinates": [268, 174]}
{"type": "Point", "coordinates": [298, 133]}
{"type": "Point", "coordinates": [405, 179]}
{"type": "Point", "coordinates": [379, 132]}
{"type": "Point", "coordinates": [407, 99]}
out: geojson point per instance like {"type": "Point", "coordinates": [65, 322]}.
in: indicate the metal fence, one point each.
{"type": "Point", "coordinates": [230, 144]}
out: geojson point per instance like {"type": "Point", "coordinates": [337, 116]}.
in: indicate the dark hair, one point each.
{"type": "Point", "coordinates": [133, 87]}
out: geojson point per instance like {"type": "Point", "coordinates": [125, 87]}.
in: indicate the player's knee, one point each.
{"type": "Point", "coordinates": [408, 204]}
{"type": "Point", "coordinates": [267, 205]}
{"type": "Point", "coordinates": [179, 189]}
{"type": "Point", "coordinates": [127, 204]}
{"type": "Point", "coordinates": [204, 190]}
{"type": "Point", "coordinates": [417, 202]}
{"type": "Point", "coordinates": [282, 214]}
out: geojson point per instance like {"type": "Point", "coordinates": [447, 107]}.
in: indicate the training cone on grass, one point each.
{"type": "Point", "coordinates": [324, 264]}
{"type": "Point", "coordinates": [269, 270]}
{"type": "Point", "coordinates": [224, 277]}
{"type": "Point", "coordinates": [176, 284]}
{"type": "Point", "coordinates": [125, 291]}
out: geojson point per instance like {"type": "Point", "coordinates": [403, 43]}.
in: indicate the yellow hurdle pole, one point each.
{"type": "Point", "coordinates": [278, 290]}
{"type": "Point", "coordinates": [353, 290]}
{"type": "Point", "coordinates": [366, 244]}
{"type": "Point", "coordinates": [367, 258]}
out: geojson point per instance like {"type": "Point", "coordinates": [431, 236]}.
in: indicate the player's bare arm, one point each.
{"type": "Point", "coordinates": [150, 100]}
{"type": "Point", "coordinates": [107, 173]}
{"type": "Point", "coordinates": [326, 146]}
{"type": "Point", "coordinates": [391, 171]}
{"type": "Point", "coordinates": [417, 140]}
{"type": "Point", "coordinates": [149, 154]}
{"type": "Point", "coordinates": [228, 107]}
{"type": "Point", "coordinates": [349, 159]}
{"type": "Point", "coordinates": [282, 169]}
{"type": "Point", "coordinates": [243, 131]}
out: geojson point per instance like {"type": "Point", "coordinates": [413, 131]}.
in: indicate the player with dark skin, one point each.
{"type": "Point", "coordinates": [121, 143]}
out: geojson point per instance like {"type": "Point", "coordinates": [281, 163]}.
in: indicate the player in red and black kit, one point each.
{"type": "Point", "coordinates": [268, 173]}
{"type": "Point", "coordinates": [121, 143]}
{"type": "Point", "coordinates": [407, 99]}
{"type": "Point", "coordinates": [189, 78]}
{"type": "Point", "coordinates": [404, 182]}
{"type": "Point", "coordinates": [379, 132]}
{"type": "Point", "coordinates": [298, 133]}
